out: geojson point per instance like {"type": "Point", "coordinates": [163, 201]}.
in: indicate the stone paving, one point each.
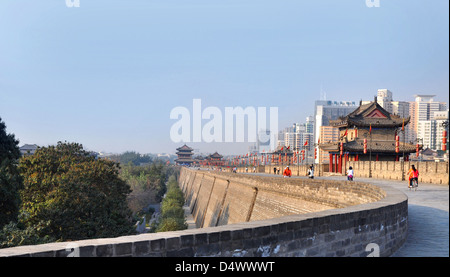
{"type": "Point", "coordinates": [428, 217]}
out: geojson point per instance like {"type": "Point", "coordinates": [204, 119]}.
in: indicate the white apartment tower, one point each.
{"type": "Point", "coordinates": [427, 117]}
{"type": "Point", "coordinates": [384, 99]}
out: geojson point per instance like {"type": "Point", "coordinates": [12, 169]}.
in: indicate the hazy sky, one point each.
{"type": "Point", "coordinates": [108, 74]}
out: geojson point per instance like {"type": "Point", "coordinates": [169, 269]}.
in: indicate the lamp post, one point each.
{"type": "Point", "coordinates": [444, 136]}
{"type": "Point", "coordinates": [316, 148]}
{"type": "Point", "coordinates": [370, 149]}
{"type": "Point", "coordinates": [403, 155]}
{"type": "Point", "coordinates": [420, 140]}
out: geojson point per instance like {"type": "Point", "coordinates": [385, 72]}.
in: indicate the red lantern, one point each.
{"type": "Point", "coordinates": [444, 140]}
{"type": "Point", "coordinates": [417, 150]}
{"type": "Point", "coordinates": [365, 146]}
{"type": "Point", "coordinates": [397, 144]}
{"type": "Point", "coordinates": [342, 148]}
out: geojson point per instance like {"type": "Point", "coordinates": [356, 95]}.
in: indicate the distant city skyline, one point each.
{"type": "Point", "coordinates": [108, 74]}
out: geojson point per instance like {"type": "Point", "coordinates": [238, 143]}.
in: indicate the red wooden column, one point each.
{"type": "Point", "coordinates": [335, 162]}
{"type": "Point", "coordinates": [331, 163]}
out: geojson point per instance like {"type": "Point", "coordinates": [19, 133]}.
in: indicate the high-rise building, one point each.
{"type": "Point", "coordinates": [309, 125]}
{"type": "Point", "coordinates": [325, 111]}
{"type": "Point", "coordinates": [328, 134]}
{"type": "Point", "coordinates": [421, 109]}
{"type": "Point", "coordinates": [423, 113]}
{"type": "Point", "coordinates": [296, 136]}
{"type": "Point", "coordinates": [430, 131]}
{"type": "Point", "coordinates": [441, 119]}
{"type": "Point", "coordinates": [384, 99]}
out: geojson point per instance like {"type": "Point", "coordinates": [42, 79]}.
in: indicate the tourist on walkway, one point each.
{"type": "Point", "coordinates": [287, 172]}
{"type": "Point", "coordinates": [310, 172]}
{"type": "Point", "coordinates": [413, 176]}
{"type": "Point", "coordinates": [350, 174]}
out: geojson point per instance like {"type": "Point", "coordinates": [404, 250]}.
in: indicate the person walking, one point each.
{"type": "Point", "coordinates": [310, 172]}
{"type": "Point", "coordinates": [274, 170]}
{"type": "Point", "coordinates": [350, 174]}
{"type": "Point", "coordinates": [413, 176]}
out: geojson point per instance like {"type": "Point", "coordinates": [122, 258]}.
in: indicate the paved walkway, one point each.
{"type": "Point", "coordinates": [428, 217]}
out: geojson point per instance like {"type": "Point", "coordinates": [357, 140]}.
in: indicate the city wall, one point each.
{"type": "Point", "coordinates": [429, 172]}
{"type": "Point", "coordinates": [250, 216]}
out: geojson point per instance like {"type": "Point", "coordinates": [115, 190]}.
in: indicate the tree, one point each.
{"type": "Point", "coordinates": [10, 181]}
{"type": "Point", "coordinates": [80, 196]}
{"type": "Point", "coordinates": [172, 213]}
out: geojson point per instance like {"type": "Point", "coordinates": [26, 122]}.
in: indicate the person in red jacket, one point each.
{"type": "Point", "coordinates": [287, 172]}
{"type": "Point", "coordinates": [413, 176]}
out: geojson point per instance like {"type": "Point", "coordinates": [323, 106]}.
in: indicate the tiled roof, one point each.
{"type": "Point", "coordinates": [374, 145]}
{"type": "Point", "coordinates": [184, 148]}
{"type": "Point", "coordinates": [215, 156]}
{"type": "Point", "coordinates": [361, 118]}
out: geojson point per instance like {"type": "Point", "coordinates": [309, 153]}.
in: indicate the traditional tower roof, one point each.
{"type": "Point", "coordinates": [185, 148]}
{"type": "Point", "coordinates": [215, 156]}
{"type": "Point", "coordinates": [371, 114]}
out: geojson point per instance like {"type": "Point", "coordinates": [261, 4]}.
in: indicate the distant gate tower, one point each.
{"type": "Point", "coordinates": [184, 155]}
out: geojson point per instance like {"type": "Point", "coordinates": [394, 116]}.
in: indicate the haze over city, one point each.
{"type": "Point", "coordinates": [108, 73]}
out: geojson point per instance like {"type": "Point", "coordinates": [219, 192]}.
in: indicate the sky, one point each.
{"type": "Point", "coordinates": [108, 74]}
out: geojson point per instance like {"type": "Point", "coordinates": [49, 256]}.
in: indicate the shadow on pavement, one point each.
{"type": "Point", "coordinates": [428, 233]}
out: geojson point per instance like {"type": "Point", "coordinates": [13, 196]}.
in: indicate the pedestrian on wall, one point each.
{"type": "Point", "coordinates": [413, 176]}
{"type": "Point", "coordinates": [310, 172]}
{"type": "Point", "coordinates": [350, 174]}
{"type": "Point", "coordinates": [274, 170]}
{"type": "Point", "coordinates": [287, 172]}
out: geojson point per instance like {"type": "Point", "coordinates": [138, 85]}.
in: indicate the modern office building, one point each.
{"type": "Point", "coordinates": [298, 135]}
{"type": "Point", "coordinates": [328, 134]}
{"type": "Point", "coordinates": [325, 111]}
{"type": "Point", "coordinates": [430, 132]}
{"type": "Point", "coordinates": [425, 114]}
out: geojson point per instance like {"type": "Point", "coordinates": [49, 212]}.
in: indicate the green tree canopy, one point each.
{"type": "Point", "coordinates": [80, 196]}
{"type": "Point", "coordinates": [10, 181]}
